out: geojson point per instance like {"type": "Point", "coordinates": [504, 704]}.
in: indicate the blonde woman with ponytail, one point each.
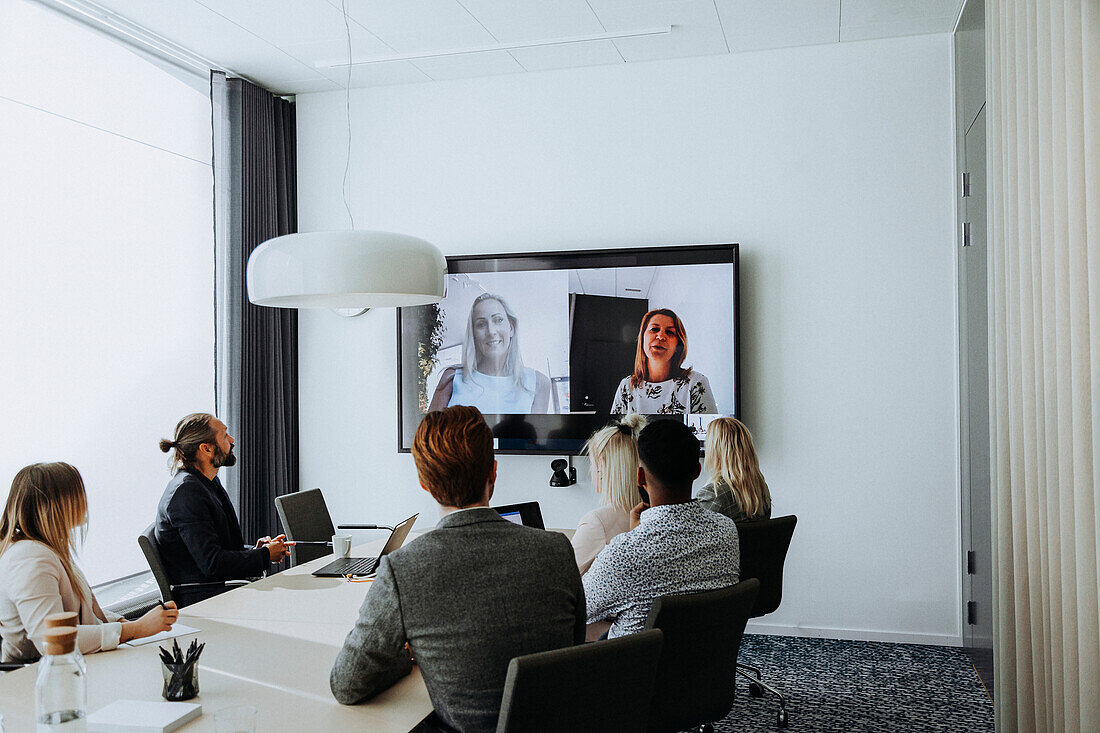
{"type": "Point", "coordinates": [45, 511]}
{"type": "Point", "coordinates": [737, 488]}
{"type": "Point", "coordinates": [613, 456]}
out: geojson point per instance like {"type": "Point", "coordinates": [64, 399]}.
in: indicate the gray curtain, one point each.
{"type": "Point", "coordinates": [256, 370]}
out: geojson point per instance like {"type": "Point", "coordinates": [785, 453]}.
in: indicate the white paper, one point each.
{"type": "Point", "coordinates": [177, 630]}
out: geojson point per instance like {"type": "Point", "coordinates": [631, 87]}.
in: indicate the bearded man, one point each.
{"type": "Point", "coordinates": [196, 528]}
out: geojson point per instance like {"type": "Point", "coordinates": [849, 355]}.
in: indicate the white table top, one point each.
{"type": "Point", "coordinates": [270, 644]}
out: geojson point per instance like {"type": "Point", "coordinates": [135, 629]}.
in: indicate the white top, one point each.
{"type": "Point", "coordinates": [33, 585]}
{"type": "Point", "coordinates": [689, 394]}
{"type": "Point", "coordinates": [595, 531]}
{"type": "Point", "coordinates": [494, 395]}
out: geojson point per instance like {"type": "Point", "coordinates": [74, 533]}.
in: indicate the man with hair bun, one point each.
{"type": "Point", "coordinates": [674, 546]}
{"type": "Point", "coordinates": [465, 598]}
{"type": "Point", "coordinates": [196, 528]}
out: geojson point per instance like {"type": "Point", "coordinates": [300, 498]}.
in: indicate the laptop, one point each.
{"type": "Point", "coordinates": [367, 565]}
{"type": "Point", "coordinates": [528, 514]}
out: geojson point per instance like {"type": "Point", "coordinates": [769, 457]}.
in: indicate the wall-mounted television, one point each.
{"type": "Point", "coordinates": [550, 346]}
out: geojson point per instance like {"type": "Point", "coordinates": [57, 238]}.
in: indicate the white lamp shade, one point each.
{"type": "Point", "coordinates": [346, 269]}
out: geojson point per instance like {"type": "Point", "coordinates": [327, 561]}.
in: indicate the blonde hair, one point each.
{"type": "Point", "coordinates": [513, 360]}
{"type": "Point", "coordinates": [47, 504]}
{"type": "Point", "coordinates": [614, 461]}
{"type": "Point", "coordinates": [730, 457]}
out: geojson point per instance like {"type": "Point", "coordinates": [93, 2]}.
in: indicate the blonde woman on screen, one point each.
{"type": "Point", "coordinates": [492, 376]}
{"type": "Point", "coordinates": [737, 488]}
{"type": "Point", "coordinates": [46, 509]}
{"type": "Point", "coordinates": [613, 455]}
{"type": "Point", "coordinates": [661, 384]}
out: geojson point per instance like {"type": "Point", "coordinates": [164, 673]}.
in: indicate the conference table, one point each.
{"type": "Point", "coordinates": [270, 643]}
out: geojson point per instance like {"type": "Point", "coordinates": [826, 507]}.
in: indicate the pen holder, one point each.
{"type": "Point", "coordinates": [181, 681]}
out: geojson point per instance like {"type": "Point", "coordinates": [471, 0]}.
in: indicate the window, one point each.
{"type": "Point", "coordinates": [106, 288]}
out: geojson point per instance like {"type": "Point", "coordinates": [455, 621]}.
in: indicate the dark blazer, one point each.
{"type": "Point", "coordinates": [200, 538]}
{"type": "Point", "coordinates": [467, 597]}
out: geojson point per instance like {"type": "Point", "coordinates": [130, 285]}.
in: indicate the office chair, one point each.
{"type": "Point", "coordinates": [147, 541]}
{"type": "Point", "coordinates": [764, 544]}
{"type": "Point", "coordinates": [603, 686]}
{"type": "Point", "coordinates": [305, 518]}
{"type": "Point", "coordinates": [697, 676]}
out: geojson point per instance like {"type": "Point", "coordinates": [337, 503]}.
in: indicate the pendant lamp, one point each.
{"type": "Point", "coordinates": [346, 269]}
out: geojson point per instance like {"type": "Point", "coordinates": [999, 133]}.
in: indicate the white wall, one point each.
{"type": "Point", "coordinates": [831, 165]}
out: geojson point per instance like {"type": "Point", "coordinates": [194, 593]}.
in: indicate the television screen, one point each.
{"type": "Point", "coordinates": [551, 346]}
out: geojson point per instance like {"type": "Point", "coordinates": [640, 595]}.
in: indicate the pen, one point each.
{"type": "Point", "coordinates": [302, 542]}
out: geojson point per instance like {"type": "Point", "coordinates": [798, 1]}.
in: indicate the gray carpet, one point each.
{"type": "Point", "coordinates": [847, 686]}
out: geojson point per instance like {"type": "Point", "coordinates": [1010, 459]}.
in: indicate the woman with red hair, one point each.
{"type": "Point", "coordinates": [661, 384]}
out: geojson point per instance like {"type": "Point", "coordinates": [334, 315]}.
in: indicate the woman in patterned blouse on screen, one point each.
{"type": "Point", "coordinates": [660, 384]}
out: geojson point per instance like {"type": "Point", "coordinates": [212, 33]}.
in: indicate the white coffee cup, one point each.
{"type": "Point", "coordinates": [341, 545]}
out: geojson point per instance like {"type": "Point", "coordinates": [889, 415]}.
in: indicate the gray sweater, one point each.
{"type": "Point", "coordinates": [467, 597]}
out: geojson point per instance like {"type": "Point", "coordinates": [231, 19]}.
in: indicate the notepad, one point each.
{"type": "Point", "coordinates": [142, 716]}
{"type": "Point", "coordinates": [177, 630]}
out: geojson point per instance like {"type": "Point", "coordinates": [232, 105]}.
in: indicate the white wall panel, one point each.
{"type": "Point", "coordinates": [831, 165]}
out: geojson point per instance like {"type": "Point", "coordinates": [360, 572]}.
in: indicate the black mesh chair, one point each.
{"type": "Point", "coordinates": [305, 518]}
{"type": "Point", "coordinates": [764, 544]}
{"type": "Point", "coordinates": [598, 687]}
{"type": "Point", "coordinates": [147, 541]}
{"type": "Point", "coordinates": [697, 677]}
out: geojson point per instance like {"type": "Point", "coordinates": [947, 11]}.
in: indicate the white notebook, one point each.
{"type": "Point", "coordinates": [142, 716]}
{"type": "Point", "coordinates": [177, 630]}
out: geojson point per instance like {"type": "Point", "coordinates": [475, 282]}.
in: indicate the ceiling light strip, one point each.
{"type": "Point", "coordinates": [660, 31]}
{"type": "Point", "coordinates": [100, 19]}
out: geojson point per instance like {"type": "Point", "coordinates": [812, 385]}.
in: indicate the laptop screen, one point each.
{"type": "Point", "coordinates": [527, 514]}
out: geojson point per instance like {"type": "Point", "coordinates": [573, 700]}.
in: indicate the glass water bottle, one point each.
{"type": "Point", "coordinates": [61, 620]}
{"type": "Point", "coordinates": [60, 692]}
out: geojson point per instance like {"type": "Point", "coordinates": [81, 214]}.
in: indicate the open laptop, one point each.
{"type": "Point", "coordinates": [366, 565]}
{"type": "Point", "coordinates": [528, 514]}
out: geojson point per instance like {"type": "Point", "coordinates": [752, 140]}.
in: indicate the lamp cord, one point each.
{"type": "Point", "coordinates": [347, 115]}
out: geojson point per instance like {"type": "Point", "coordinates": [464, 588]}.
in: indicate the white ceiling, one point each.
{"type": "Point", "coordinates": [284, 45]}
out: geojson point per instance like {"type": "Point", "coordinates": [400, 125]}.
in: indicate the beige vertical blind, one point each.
{"type": "Point", "coordinates": [1043, 92]}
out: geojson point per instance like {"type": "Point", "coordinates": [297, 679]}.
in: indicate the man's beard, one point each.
{"type": "Point", "coordinates": [224, 458]}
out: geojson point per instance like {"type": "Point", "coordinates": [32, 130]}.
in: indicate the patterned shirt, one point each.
{"type": "Point", "coordinates": [687, 393]}
{"type": "Point", "coordinates": [677, 548]}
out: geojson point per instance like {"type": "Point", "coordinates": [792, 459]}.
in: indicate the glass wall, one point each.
{"type": "Point", "coordinates": [106, 281]}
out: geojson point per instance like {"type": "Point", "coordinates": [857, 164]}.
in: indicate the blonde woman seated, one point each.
{"type": "Point", "coordinates": [737, 488]}
{"type": "Point", "coordinates": [46, 507]}
{"type": "Point", "coordinates": [613, 452]}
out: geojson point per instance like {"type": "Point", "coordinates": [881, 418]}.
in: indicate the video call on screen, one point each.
{"type": "Point", "coordinates": [547, 354]}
